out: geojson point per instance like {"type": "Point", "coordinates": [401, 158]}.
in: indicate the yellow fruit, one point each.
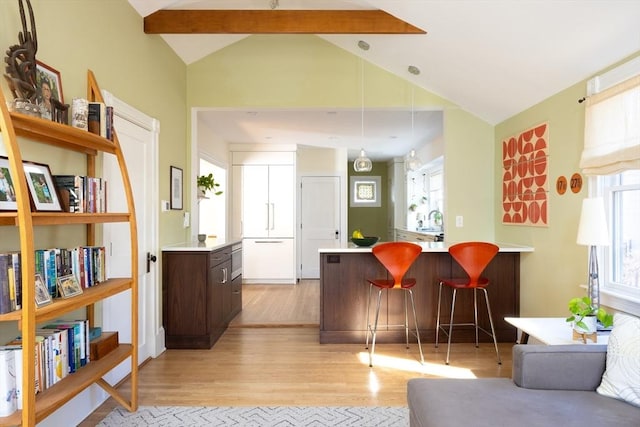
{"type": "Point", "coordinates": [357, 234]}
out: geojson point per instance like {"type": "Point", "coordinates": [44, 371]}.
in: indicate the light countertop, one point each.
{"type": "Point", "coordinates": [211, 244]}
{"type": "Point", "coordinates": [426, 247]}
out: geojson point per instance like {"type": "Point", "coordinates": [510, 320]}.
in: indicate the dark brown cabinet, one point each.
{"type": "Point", "coordinates": [199, 295]}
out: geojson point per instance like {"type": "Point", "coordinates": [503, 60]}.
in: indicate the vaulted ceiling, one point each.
{"type": "Point", "coordinates": [493, 58]}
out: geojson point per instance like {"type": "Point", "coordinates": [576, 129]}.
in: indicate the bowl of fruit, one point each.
{"type": "Point", "coordinates": [361, 240]}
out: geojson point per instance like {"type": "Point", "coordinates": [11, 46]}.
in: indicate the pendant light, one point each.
{"type": "Point", "coordinates": [412, 162]}
{"type": "Point", "coordinates": [362, 163]}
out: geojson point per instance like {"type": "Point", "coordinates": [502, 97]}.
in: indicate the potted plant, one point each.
{"type": "Point", "coordinates": [584, 315]}
{"type": "Point", "coordinates": [207, 183]}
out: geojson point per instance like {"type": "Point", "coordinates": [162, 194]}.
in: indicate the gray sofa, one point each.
{"type": "Point", "coordinates": [551, 386]}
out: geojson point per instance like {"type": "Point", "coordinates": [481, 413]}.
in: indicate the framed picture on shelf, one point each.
{"type": "Point", "coordinates": [7, 189]}
{"type": "Point", "coordinates": [42, 293]}
{"type": "Point", "coordinates": [68, 286]}
{"type": "Point", "coordinates": [49, 88]}
{"type": "Point", "coordinates": [44, 195]}
{"type": "Point", "coordinates": [176, 188]}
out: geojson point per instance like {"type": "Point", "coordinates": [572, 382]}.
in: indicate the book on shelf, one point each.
{"type": "Point", "coordinates": [110, 123]}
{"type": "Point", "coordinates": [71, 190]}
{"type": "Point", "coordinates": [10, 282]}
{"type": "Point", "coordinates": [9, 401]}
{"type": "Point", "coordinates": [17, 275]}
{"type": "Point", "coordinates": [38, 383]}
{"type": "Point", "coordinates": [78, 341]}
{"type": "Point", "coordinates": [82, 193]}
{"type": "Point", "coordinates": [5, 297]}
{"type": "Point", "coordinates": [97, 118]}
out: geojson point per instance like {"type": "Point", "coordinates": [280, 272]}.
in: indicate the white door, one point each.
{"type": "Point", "coordinates": [319, 221]}
{"type": "Point", "coordinates": [137, 135]}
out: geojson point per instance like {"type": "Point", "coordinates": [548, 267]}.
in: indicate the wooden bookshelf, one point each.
{"type": "Point", "coordinates": [14, 125]}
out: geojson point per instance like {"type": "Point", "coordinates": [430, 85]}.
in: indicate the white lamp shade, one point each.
{"type": "Point", "coordinates": [592, 230]}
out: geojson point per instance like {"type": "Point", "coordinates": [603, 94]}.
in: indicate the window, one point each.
{"type": "Point", "coordinates": [611, 156]}
{"type": "Point", "coordinates": [622, 258]}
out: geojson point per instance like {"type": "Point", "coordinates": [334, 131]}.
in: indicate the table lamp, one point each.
{"type": "Point", "coordinates": [592, 232]}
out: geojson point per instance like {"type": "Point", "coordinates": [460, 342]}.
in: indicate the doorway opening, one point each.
{"type": "Point", "coordinates": [212, 209]}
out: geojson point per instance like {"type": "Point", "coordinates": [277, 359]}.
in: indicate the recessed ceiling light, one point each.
{"type": "Point", "coordinates": [414, 70]}
{"type": "Point", "coordinates": [363, 45]}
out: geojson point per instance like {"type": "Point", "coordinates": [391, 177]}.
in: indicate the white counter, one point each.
{"type": "Point", "coordinates": [426, 247]}
{"type": "Point", "coordinates": [209, 245]}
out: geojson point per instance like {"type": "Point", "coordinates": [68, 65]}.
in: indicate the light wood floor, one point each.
{"type": "Point", "coordinates": [270, 355]}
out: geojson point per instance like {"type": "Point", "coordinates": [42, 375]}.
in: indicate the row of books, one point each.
{"type": "Point", "coordinates": [62, 347]}
{"type": "Point", "coordinates": [100, 120]}
{"type": "Point", "coordinates": [82, 193]}
{"type": "Point", "coordinates": [86, 263]}
{"type": "Point", "coordinates": [10, 282]}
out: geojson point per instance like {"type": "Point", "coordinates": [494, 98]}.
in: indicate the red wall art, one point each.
{"type": "Point", "coordinates": [525, 183]}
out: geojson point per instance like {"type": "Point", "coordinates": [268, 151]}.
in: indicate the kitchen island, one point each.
{"type": "Point", "coordinates": [201, 292]}
{"type": "Point", "coordinates": [344, 292]}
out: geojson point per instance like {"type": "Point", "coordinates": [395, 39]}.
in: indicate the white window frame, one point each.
{"type": "Point", "coordinates": [610, 294]}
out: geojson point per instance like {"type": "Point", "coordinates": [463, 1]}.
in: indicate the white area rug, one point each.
{"type": "Point", "coordinates": [258, 416]}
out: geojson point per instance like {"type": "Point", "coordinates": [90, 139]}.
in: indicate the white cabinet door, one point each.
{"type": "Point", "coordinates": [281, 201]}
{"type": "Point", "coordinates": [268, 201]}
{"type": "Point", "coordinates": [255, 201]}
{"type": "Point", "coordinates": [268, 261]}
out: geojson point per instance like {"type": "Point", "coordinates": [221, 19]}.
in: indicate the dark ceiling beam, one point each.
{"type": "Point", "coordinates": [276, 22]}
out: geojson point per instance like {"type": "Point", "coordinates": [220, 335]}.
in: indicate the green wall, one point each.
{"type": "Point", "coordinates": [552, 275]}
{"type": "Point", "coordinates": [293, 71]}
{"type": "Point", "coordinates": [107, 37]}
{"type": "Point", "coordinates": [371, 221]}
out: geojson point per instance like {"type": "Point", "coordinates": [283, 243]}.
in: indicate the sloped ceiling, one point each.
{"type": "Point", "coordinates": [494, 58]}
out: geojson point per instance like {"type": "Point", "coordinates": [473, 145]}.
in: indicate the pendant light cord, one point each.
{"type": "Point", "coordinates": [362, 100]}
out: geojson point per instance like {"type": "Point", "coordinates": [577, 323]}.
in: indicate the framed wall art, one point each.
{"type": "Point", "coordinates": [44, 194]}
{"type": "Point", "coordinates": [525, 172]}
{"type": "Point", "coordinates": [176, 188]}
{"type": "Point", "coordinates": [7, 188]}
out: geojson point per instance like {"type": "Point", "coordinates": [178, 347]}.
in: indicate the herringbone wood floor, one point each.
{"type": "Point", "coordinates": [270, 355]}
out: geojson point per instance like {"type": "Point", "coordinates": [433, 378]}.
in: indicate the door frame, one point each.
{"type": "Point", "coordinates": [154, 314]}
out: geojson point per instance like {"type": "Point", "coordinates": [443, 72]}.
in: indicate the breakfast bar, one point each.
{"type": "Point", "coordinates": [344, 292]}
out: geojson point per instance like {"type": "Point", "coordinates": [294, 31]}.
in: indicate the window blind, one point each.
{"type": "Point", "coordinates": [612, 130]}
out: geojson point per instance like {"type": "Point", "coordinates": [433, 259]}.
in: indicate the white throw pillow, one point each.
{"type": "Point", "coordinates": [621, 379]}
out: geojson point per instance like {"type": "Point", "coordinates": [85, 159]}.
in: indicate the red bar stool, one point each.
{"type": "Point", "coordinates": [473, 257]}
{"type": "Point", "coordinates": [396, 257]}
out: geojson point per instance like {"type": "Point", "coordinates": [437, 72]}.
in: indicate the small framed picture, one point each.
{"type": "Point", "coordinates": [49, 88]}
{"type": "Point", "coordinates": [68, 286]}
{"type": "Point", "coordinates": [44, 194]}
{"type": "Point", "coordinates": [42, 293]}
{"type": "Point", "coordinates": [7, 189]}
{"type": "Point", "coordinates": [176, 188]}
